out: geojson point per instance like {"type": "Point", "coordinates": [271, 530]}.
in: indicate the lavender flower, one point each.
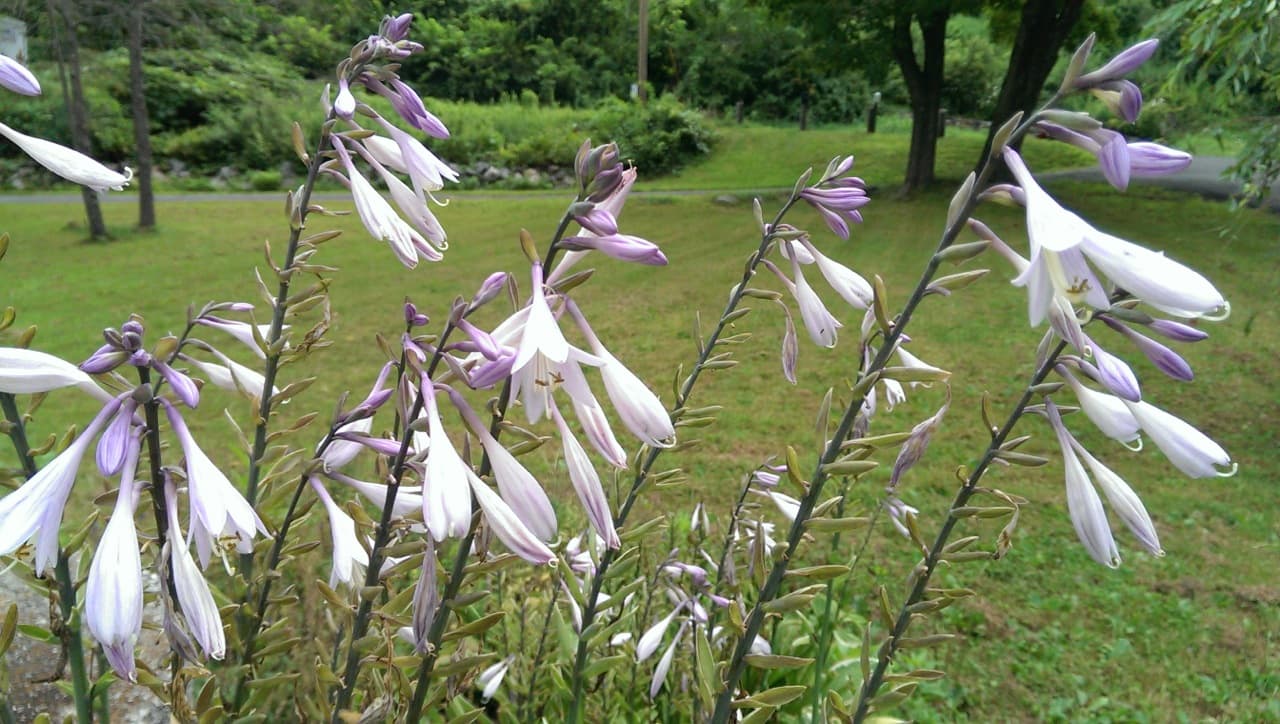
{"type": "Point", "coordinates": [67, 163]}
{"type": "Point", "coordinates": [113, 591]}
{"type": "Point", "coordinates": [29, 371]}
{"type": "Point", "coordinates": [1087, 516]}
{"type": "Point", "coordinates": [381, 220]}
{"type": "Point", "coordinates": [586, 483]}
{"type": "Point", "coordinates": [217, 508]}
{"type": "Point", "coordinates": [517, 486]}
{"type": "Point", "coordinates": [15, 77]}
{"type": "Point", "coordinates": [1117, 158]}
{"type": "Point", "coordinates": [349, 557]}
{"type": "Point", "coordinates": [446, 501]}
{"type": "Point", "coordinates": [198, 606]}
{"type": "Point", "coordinates": [1190, 450]}
{"type": "Point", "coordinates": [837, 198]}
{"type": "Point", "coordinates": [36, 507]}
{"type": "Point", "coordinates": [1108, 413]}
{"type": "Point", "coordinates": [1061, 242]}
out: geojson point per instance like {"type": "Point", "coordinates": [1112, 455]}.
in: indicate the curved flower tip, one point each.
{"type": "Point", "coordinates": [15, 77]}
{"type": "Point", "coordinates": [67, 163]}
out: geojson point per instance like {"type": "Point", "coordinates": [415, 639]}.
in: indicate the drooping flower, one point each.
{"type": "Point", "coordinates": [381, 221]}
{"type": "Point", "coordinates": [29, 371]}
{"type": "Point", "coordinates": [1190, 450]}
{"type": "Point", "coordinates": [641, 411]}
{"type": "Point", "coordinates": [1063, 246]}
{"type": "Point", "coordinates": [446, 496]}
{"type": "Point", "coordinates": [1085, 507]}
{"type": "Point", "coordinates": [1107, 412]}
{"type": "Point", "coordinates": [242, 331]}
{"type": "Point", "coordinates": [35, 508]}
{"type": "Point", "coordinates": [507, 526]}
{"type": "Point", "coordinates": [232, 376]}
{"type": "Point", "coordinates": [516, 484]}
{"type": "Point", "coordinates": [586, 483]}
{"type": "Point", "coordinates": [198, 606]}
{"type": "Point", "coordinates": [216, 505]}
{"type": "Point", "coordinates": [68, 163]}
{"type": "Point", "coordinates": [818, 320]}
{"type": "Point", "coordinates": [491, 678]}
{"type": "Point", "coordinates": [113, 590]}
{"type": "Point", "coordinates": [349, 557]}
{"type": "Point", "coordinates": [15, 77]}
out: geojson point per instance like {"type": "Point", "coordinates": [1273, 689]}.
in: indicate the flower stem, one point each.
{"type": "Point", "coordinates": [382, 534]}
{"type": "Point", "coordinates": [606, 559]}
{"type": "Point", "coordinates": [72, 642]}
{"type": "Point", "coordinates": [272, 366]}
{"type": "Point", "coordinates": [890, 647]}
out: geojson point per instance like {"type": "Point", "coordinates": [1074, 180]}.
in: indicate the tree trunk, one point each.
{"type": "Point", "coordinates": [924, 86]}
{"type": "Point", "coordinates": [1043, 29]}
{"type": "Point", "coordinates": [68, 51]}
{"type": "Point", "coordinates": [141, 121]}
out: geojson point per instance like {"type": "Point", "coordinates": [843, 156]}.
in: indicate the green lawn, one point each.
{"type": "Point", "coordinates": [1051, 635]}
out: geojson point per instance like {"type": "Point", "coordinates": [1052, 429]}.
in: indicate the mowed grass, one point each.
{"type": "Point", "coordinates": [1050, 636]}
{"type": "Point", "coordinates": [755, 156]}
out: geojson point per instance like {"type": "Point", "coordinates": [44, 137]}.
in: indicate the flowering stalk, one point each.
{"type": "Point", "coordinates": [642, 473]}
{"type": "Point", "coordinates": [382, 534]}
{"type": "Point", "coordinates": [281, 305]}
{"type": "Point", "coordinates": [72, 641]}
{"type": "Point", "coordinates": [890, 647]}
{"type": "Point", "coordinates": [458, 570]}
{"type": "Point", "coordinates": [956, 222]}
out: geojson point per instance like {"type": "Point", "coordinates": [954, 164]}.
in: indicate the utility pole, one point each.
{"type": "Point", "coordinates": [642, 52]}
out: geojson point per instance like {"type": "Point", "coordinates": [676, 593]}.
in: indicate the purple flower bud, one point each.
{"type": "Point", "coordinates": [413, 317]}
{"type": "Point", "coordinates": [344, 106]}
{"type": "Point", "coordinates": [1113, 159]}
{"type": "Point", "coordinates": [623, 247]}
{"type": "Point", "coordinates": [113, 446]}
{"type": "Point", "coordinates": [484, 343]}
{"type": "Point", "coordinates": [490, 288]}
{"type": "Point", "coordinates": [1124, 63]}
{"type": "Point", "coordinates": [1152, 159]}
{"type": "Point", "coordinates": [105, 359]}
{"type": "Point", "coordinates": [182, 385]}
{"type": "Point", "coordinates": [1165, 359]}
{"type": "Point", "coordinates": [1123, 97]}
{"type": "Point", "coordinates": [598, 221]}
{"type": "Point", "coordinates": [15, 77]}
{"type": "Point", "coordinates": [397, 28]}
{"type": "Point", "coordinates": [1177, 331]}
{"type": "Point", "coordinates": [1114, 373]}
{"type": "Point", "coordinates": [132, 326]}
{"type": "Point", "coordinates": [237, 307]}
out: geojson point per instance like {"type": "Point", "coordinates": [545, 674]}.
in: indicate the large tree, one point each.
{"type": "Point", "coordinates": [1042, 29]}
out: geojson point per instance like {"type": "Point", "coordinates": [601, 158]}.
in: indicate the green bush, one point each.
{"type": "Point", "coordinates": [265, 180]}
{"type": "Point", "coordinates": [658, 138]}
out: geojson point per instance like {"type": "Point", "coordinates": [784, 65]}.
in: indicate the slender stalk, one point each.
{"type": "Point", "coordinates": [887, 651]}
{"type": "Point", "coordinates": [458, 571]}
{"type": "Point", "coordinates": [737, 663]}
{"type": "Point", "coordinates": [272, 366]}
{"type": "Point", "coordinates": [382, 534]}
{"type": "Point", "coordinates": [642, 473]}
{"type": "Point", "coordinates": [82, 693]}
{"type": "Point", "coordinates": [72, 641]}
{"type": "Point", "coordinates": [151, 412]}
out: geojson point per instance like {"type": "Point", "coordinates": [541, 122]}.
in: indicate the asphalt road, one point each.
{"type": "Point", "coordinates": [1204, 177]}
